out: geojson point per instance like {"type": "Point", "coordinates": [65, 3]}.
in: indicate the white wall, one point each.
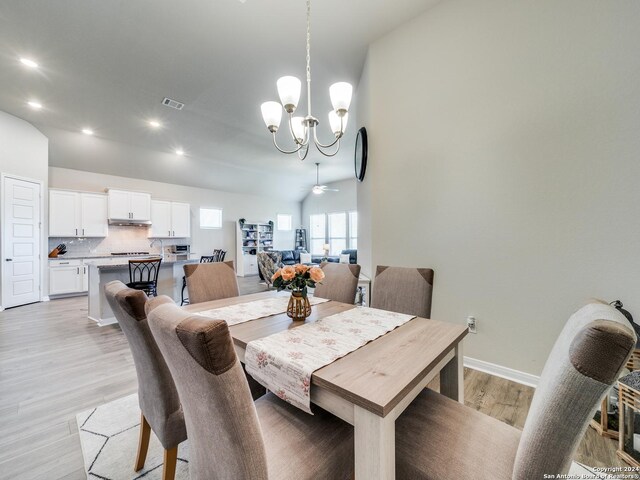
{"type": "Point", "coordinates": [24, 153]}
{"type": "Point", "coordinates": [504, 153]}
{"type": "Point", "coordinates": [234, 206]}
{"type": "Point", "coordinates": [344, 200]}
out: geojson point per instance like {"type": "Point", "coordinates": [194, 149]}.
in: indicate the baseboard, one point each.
{"type": "Point", "coordinates": [45, 298]}
{"type": "Point", "coordinates": [503, 372]}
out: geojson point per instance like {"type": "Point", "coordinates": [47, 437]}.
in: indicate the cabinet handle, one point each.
{"type": "Point", "coordinates": [84, 270]}
{"type": "Point", "coordinates": [169, 233]}
{"type": "Point", "coordinates": [83, 232]}
{"type": "Point", "coordinates": [174, 233]}
{"type": "Point", "coordinates": [78, 270]}
{"type": "Point", "coordinates": [76, 231]}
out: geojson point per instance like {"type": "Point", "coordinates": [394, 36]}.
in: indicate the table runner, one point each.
{"type": "Point", "coordinates": [284, 362]}
{"type": "Point", "coordinates": [244, 312]}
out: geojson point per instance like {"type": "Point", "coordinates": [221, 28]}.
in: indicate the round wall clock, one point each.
{"type": "Point", "coordinates": [360, 160]}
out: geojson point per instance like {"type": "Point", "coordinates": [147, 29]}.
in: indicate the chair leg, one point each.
{"type": "Point", "coordinates": [143, 443]}
{"type": "Point", "coordinates": [170, 460]}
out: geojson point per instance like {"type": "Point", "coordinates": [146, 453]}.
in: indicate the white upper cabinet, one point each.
{"type": "Point", "coordinates": [180, 220]}
{"type": "Point", "coordinates": [160, 219]}
{"type": "Point", "coordinates": [140, 206]}
{"type": "Point", "coordinates": [64, 208]}
{"type": "Point", "coordinates": [93, 215]}
{"type": "Point", "coordinates": [170, 219]}
{"type": "Point", "coordinates": [124, 205]}
{"type": "Point", "coordinates": [77, 214]}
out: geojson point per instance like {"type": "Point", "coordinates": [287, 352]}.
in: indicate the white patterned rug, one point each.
{"type": "Point", "coordinates": [109, 439]}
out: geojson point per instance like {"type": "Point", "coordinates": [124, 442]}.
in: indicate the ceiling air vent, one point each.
{"type": "Point", "coordinates": [167, 102]}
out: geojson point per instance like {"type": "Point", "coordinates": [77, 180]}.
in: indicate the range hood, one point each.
{"type": "Point", "coordinates": [129, 222]}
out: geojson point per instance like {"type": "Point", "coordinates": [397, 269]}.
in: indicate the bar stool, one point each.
{"type": "Point", "coordinates": [143, 275]}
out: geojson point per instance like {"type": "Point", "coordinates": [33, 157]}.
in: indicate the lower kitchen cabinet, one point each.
{"type": "Point", "coordinates": [68, 276]}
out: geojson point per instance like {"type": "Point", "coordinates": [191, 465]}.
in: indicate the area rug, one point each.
{"type": "Point", "coordinates": [109, 439]}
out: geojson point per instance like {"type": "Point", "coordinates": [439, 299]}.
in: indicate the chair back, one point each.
{"type": "Point", "coordinates": [225, 439]}
{"type": "Point", "coordinates": [211, 281]}
{"type": "Point", "coordinates": [221, 256]}
{"type": "Point", "coordinates": [208, 258]}
{"type": "Point", "coordinates": [157, 392]}
{"type": "Point", "coordinates": [268, 264]}
{"type": "Point", "coordinates": [145, 270]}
{"type": "Point", "coordinates": [585, 361]}
{"type": "Point", "coordinates": [340, 282]}
{"type": "Point", "coordinates": [403, 290]}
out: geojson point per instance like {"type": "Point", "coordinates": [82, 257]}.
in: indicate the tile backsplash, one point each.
{"type": "Point", "coordinates": [120, 239]}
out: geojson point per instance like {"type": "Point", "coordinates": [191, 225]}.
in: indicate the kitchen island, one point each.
{"type": "Point", "coordinates": [103, 271]}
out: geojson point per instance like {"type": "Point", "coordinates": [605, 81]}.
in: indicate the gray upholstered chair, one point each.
{"type": "Point", "coordinates": [268, 263]}
{"type": "Point", "coordinates": [231, 437]}
{"type": "Point", "coordinates": [440, 439]}
{"type": "Point", "coordinates": [157, 394]}
{"type": "Point", "coordinates": [403, 290]}
{"type": "Point", "coordinates": [340, 282]}
{"type": "Point", "coordinates": [211, 281]}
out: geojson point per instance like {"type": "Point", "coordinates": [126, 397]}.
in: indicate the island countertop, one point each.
{"type": "Point", "coordinates": [116, 263]}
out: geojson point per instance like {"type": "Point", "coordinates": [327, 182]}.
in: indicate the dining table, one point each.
{"type": "Point", "coordinates": [370, 387]}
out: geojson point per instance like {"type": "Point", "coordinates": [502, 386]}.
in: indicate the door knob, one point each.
{"type": "Point", "coordinates": [8, 259]}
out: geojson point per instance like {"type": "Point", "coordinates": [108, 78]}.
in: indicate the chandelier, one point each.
{"type": "Point", "coordinates": [303, 129]}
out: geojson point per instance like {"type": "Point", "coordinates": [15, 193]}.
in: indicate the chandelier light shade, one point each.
{"type": "Point", "coordinates": [303, 128]}
{"type": "Point", "coordinates": [272, 114]}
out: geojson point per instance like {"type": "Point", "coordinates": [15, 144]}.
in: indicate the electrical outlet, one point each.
{"type": "Point", "coordinates": [471, 323]}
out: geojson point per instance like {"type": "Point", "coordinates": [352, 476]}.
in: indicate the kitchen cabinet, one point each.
{"type": "Point", "coordinates": [77, 214]}
{"type": "Point", "coordinates": [170, 219]}
{"type": "Point", "coordinates": [68, 276]}
{"type": "Point", "coordinates": [125, 205]}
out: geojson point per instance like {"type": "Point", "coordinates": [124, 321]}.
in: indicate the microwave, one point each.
{"type": "Point", "coordinates": [180, 249]}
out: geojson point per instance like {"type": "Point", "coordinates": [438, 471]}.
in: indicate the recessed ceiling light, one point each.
{"type": "Point", "coordinates": [28, 63]}
{"type": "Point", "coordinates": [35, 105]}
{"type": "Point", "coordinates": [154, 124]}
{"type": "Point", "coordinates": [87, 131]}
{"type": "Point", "coordinates": [180, 152]}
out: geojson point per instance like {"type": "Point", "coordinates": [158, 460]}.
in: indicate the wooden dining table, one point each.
{"type": "Point", "coordinates": [370, 387]}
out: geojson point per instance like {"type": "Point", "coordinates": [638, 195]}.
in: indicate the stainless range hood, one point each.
{"type": "Point", "coordinates": [129, 223]}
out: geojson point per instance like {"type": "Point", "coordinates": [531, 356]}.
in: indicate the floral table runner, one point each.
{"type": "Point", "coordinates": [283, 362]}
{"type": "Point", "coordinates": [243, 312]}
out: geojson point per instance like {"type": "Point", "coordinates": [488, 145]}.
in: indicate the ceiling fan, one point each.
{"type": "Point", "coordinates": [320, 189]}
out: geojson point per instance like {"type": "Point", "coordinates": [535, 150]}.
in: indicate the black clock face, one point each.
{"type": "Point", "coordinates": [360, 160]}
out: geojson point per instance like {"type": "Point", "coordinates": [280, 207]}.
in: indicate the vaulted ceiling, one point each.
{"type": "Point", "coordinates": [108, 64]}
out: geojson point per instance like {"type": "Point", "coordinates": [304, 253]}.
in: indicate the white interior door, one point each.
{"type": "Point", "coordinates": [20, 242]}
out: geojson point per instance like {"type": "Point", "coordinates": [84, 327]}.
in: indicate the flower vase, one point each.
{"type": "Point", "coordinates": [299, 307]}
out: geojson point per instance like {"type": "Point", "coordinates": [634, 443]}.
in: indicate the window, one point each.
{"type": "Point", "coordinates": [210, 218]}
{"type": "Point", "coordinates": [318, 228]}
{"type": "Point", "coordinates": [284, 221]}
{"type": "Point", "coordinates": [337, 232]}
{"type": "Point", "coordinates": [353, 230]}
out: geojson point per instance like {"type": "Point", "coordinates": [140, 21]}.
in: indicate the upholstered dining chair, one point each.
{"type": "Point", "coordinates": [403, 290]}
{"type": "Point", "coordinates": [211, 281]}
{"type": "Point", "coordinates": [157, 394]}
{"type": "Point", "coordinates": [229, 435]}
{"type": "Point", "coordinates": [440, 439]}
{"type": "Point", "coordinates": [340, 282]}
{"type": "Point", "coordinates": [268, 264]}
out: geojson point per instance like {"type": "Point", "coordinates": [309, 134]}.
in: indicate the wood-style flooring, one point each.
{"type": "Point", "coordinates": [54, 363]}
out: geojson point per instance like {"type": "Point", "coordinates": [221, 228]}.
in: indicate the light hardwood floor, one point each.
{"type": "Point", "coordinates": [54, 363]}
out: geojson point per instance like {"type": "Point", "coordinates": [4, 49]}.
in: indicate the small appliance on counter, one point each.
{"type": "Point", "coordinates": [59, 250]}
{"type": "Point", "coordinates": [181, 251]}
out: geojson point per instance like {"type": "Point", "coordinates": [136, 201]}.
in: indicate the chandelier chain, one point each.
{"type": "Point", "coordinates": [309, 57]}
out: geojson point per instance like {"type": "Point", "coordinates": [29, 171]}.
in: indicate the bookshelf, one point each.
{"type": "Point", "coordinates": [251, 238]}
{"type": "Point", "coordinates": [301, 239]}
